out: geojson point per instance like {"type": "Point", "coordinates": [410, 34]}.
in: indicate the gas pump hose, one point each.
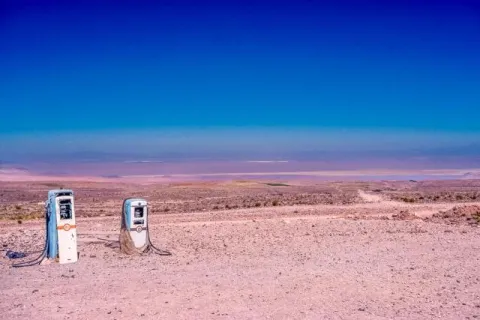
{"type": "Point", "coordinates": [38, 259]}
{"type": "Point", "coordinates": [155, 249]}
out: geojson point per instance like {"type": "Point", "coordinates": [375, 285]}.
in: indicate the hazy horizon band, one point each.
{"type": "Point", "coordinates": [251, 143]}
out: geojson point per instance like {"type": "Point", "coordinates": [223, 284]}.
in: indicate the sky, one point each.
{"type": "Point", "coordinates": [233, 74]}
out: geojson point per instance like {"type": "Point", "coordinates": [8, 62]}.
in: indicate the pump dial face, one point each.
{"type": "Point", "coordinates": [65, 209]}
{"type": "Point", "coordinates": [138, 213]}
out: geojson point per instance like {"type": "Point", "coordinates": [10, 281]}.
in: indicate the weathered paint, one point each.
{"type": "Point", "coordinates": [127, 212]}
{"type": "Point", "coordinates": [66, 231]}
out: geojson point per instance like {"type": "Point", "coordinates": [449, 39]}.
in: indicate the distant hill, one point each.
{"type": "Point", "coordinates": [471, 176]}
{"type": "Point", "coordinates": [14, 171]}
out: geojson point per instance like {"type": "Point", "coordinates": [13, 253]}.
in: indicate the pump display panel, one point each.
{"type": "Point", "coordinates": [138, 216]}
{"type": "Point", "coordinates": [138, 212]}
{"type": "Point", "coordinates": [65, 209]}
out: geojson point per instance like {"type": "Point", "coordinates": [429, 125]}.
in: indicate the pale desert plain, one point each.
{"type": "Point", "coordinates": [250, 249]}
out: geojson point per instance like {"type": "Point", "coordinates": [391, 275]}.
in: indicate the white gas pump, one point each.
{"type": "Point", "coordinates": [66, 229]}
{"type": "Point", "coordinates": [134, 233]}
{"type": "Point", "coordinates": [61, 231]}
{"type": "Point", "coordinates": [136, 217]}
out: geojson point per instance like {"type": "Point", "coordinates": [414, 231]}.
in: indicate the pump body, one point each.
{"type": "Point", "coordinates": [135, 211]}
{"type": "Point", "coordinates": [61, 227]}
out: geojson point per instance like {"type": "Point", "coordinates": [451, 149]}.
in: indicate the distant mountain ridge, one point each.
{"type": "Point", "coordinates": [471, 176]}
{"type": "Point", "coordinates": [469, 152]}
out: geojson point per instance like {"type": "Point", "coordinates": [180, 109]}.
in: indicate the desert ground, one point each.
{"type": "Point", "coordinates": [252, 250]}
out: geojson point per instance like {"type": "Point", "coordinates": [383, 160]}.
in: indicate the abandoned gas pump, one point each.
{"type": "Point", "coordinates": [62, 229]}
{"type": "Point", "coordinates": [61, 232]}
{"type": "Point", "coordinates": [134, 233]}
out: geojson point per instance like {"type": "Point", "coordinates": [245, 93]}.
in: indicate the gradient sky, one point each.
{"type": "Point", "coordinates": [80, 67]}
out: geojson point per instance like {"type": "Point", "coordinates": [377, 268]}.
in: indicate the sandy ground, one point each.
{"type": "Point", "coordinates": [321, 261]}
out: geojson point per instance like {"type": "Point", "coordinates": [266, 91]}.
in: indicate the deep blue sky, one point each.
{"type": "Point", "coordinates": [102, 65]}
{"type": "Point", "coordinates": [265, 79]}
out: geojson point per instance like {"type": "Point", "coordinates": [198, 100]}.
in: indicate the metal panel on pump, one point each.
{"type": "Point", "coordinates": [61, 229]}
{"type": "Point", "coordinates": [66, 229]}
